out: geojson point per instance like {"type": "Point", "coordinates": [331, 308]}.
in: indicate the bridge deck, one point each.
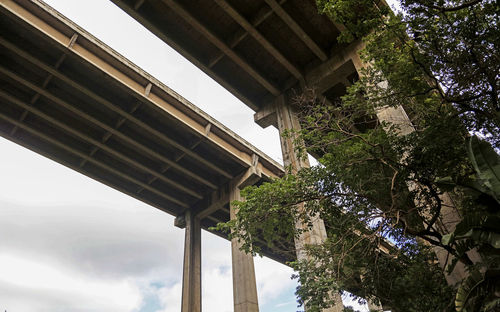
{"type": "Point", "coordinates": [256, 49]}
{"type": "Point", "coordinates": [66, 95]}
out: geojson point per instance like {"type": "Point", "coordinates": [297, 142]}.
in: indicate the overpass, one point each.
{"type": "Point", "coordinates": [68, 96]}
{"type": "Point", "coordinates": [265, 52]}
{"type": "Point", "coordinates": [259, 50]}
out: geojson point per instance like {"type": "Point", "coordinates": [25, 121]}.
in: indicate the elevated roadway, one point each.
{"type": "Point", "coordinates": [259, 50]}
{"type": "Point", "coordinates": [66, 95]}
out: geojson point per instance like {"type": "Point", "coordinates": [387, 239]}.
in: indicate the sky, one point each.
{"type": "Point", "coordinates": [69, 243]}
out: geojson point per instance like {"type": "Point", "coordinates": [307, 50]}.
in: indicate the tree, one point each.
{"type": "Point", "coordinates": [439, 61]}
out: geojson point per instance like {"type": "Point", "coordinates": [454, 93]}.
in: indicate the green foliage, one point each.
{"type": "Point", "coordinates": [390, 278]}
{"type": "Point", "coordinates": [358, 17]}
{"type": "Point", "coordinates": [459, 41]}
{"type": "Point", "coordinates": [477, 292]}
{"type": "Point", "coordinates": [272, 208]}
{"type": "Point", "coordinates": [380, 180]}
{"type": "Point", "coordinates": [480, 230]}
{"type": "Point", "coordinates": [486, 162]}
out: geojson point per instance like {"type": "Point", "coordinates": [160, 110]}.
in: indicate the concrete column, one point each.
{"type": "Point", "coordinates": [450, 215]}
{"type": "Point", "coordinates": [244, 284]}
{"type": "Point", "coordinates": [288, 120]}
{"type": "Point", "coordinates": [191, 276]}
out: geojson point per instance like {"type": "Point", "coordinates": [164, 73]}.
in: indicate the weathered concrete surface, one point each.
{"type": "Point", "coordinates": [450, 216]}
{"type": "Point", "coordinates": [191, 276]}
{"type": "Point", "coordinates": [288, 120]}
{"type": "Point", "coordinates": [244, 283]}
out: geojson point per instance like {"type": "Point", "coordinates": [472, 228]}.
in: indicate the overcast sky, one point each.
{"type": "Point", "coordinates": [69, 243]}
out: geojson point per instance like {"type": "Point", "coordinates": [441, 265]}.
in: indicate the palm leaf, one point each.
{"type": "Point", "coordinates": [468, 290]}
{"type": "Point", "coordinates": [486, 162]}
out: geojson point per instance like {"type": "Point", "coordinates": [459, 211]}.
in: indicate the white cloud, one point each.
{"type": "Point", "coordinates": [273, 279]}
{"type": "Point", "coordinates": [170, 298]}
{"type": "Point", "coordinates": [94, 244]}
{"type": "Point", "coordinates": [49, 288]}
{"type": "Point", "coordinates": [217, 290]}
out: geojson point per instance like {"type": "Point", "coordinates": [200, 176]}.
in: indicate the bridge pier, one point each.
{"type": "Point", "coordinates": [244, 283]}
{"type": "Point", "coordinates": [191, 276]}
{"type": "Point", "coordinates": [287, 120]}
{"type": "Point", "coordinates": [450, 215]}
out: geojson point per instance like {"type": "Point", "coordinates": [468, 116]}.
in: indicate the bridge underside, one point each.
{"type": "Point", "coordinates": [258, 49]}
{"type": "Point", "coordinates": [266, 52]}
{"type": "Point", "coordinates": [69, 97]}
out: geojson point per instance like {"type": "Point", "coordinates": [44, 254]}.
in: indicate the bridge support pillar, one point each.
{"type": "Point", "coordinates": [191, 276]}
{"type": "Point", "coordinates": [244, 283]}
{"type": "Point", "coordinates": [450, 215]}
{"type": "Point", "coordinates": [287, 120]}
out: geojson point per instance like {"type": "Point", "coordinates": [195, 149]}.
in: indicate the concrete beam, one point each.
{"type": "Point", "coordinates": [251, 176]}
{"type": "Point", "coordinates": [220, 197]}
{"type": "Point", "coordinates": [215, 201]}
{"type": "Point", "coordinates": [124, 72]}
{"type": "Point", "coordinates": [266, 116]}
{"type": "Point", "coordinates": [327, 69]}
{"type": "Point", "coordinates": [335, 77]}
{"type": "Point", "coordinates": [268, 46]}
{"type": "Point", "coordinates": [180, 221]}
{"type": "Point", "coordinates": [313, 46]}
{"type": "Point", "coordinates": [67, 128]}
{"type": "Point", "coordinates": [221, 45]}
{"type": "Point", "coordinates": [191, 276]}
{"type": "Point", "coordinates": [322, 77]}
{"type": "Point", "coordinates": [138, 4]}
{"type": "Point", "coordinates": [258, 19]}
{"type": "Point", "coordinates": [111, 106]}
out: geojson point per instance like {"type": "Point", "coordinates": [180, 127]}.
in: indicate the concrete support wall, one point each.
{"type": "Point", "coordinates": [288, 120]}
{"type": "Point", "coordinates": [244, 284]}
{"type": "Point", "coordinates": [191, 277]}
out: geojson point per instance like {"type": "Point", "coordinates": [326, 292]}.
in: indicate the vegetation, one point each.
{"type": "Point", "coordinates": [379, 182]}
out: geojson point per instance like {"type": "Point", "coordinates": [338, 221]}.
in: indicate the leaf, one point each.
{"type": "Point", "coordinates": [477, 227]}
{"type": "Point", "coordinates": [492, 305]}
{"type": "Point", "coordinates": [447, 239]}
{"type": "Point", "coordinates": [446, 184]}
{"type": "Point", "coordinates": [486, 162]}
{"type": "Point", "coordinates": [468, 290]}
{"type": "Point", "coordinates": [468, 223]}
{"type": "Point", "coordinates": [494, 239]}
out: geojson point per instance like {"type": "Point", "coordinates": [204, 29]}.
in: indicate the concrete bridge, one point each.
{"type": "Point", "coordinates": [66, 95]}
